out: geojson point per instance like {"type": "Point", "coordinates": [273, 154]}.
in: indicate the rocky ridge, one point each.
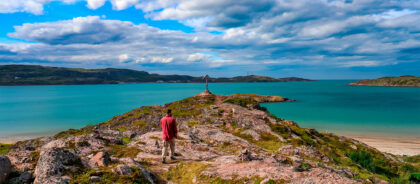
{"type": "Point", "coordinates": [222, 139]}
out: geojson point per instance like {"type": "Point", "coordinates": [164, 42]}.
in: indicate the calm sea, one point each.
{"type": "Point", "coordinates": [331, 106]}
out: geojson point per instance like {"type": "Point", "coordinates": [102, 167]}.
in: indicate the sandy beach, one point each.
{"type": "Point", "coordinates": [394, 145]}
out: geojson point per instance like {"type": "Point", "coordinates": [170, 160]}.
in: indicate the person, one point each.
{"type": "Point", "coordinates": [169, 133]}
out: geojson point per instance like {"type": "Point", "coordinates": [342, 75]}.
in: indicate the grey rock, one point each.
{"type": "Point", "coordinates": [52, 164]}
{"type": "Point", "coordinates": [123, 169]}
{"type": "Point", "coordinates": [95, 179]}
{"type": "Point", "coordinates": [5, 168]}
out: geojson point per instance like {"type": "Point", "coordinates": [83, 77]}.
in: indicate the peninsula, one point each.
{"type": "Point", "coordinates": [222, 139]}
{"type": "Point", "coordinates": [11, 75]}
{"type": "Point", "coordinates": [403, 81]}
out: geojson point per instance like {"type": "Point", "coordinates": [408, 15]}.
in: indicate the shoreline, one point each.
{"type": "Point", "coordinates": [395, 145]}
{"type": "Point", "coordinates": [390, 144]}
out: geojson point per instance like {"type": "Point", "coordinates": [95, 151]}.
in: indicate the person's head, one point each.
{"type": "Point", "coordinates": [169, 112]}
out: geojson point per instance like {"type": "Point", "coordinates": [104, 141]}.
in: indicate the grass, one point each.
{"type": "Point", "coordinates": [4, 148]}
{"type": "Point", "coordinates": [140, 124]}
{"type": "Point", "coordinates": [415, 177]}
{"type": "Point", "coordinates": [107, 176]}
{"type": "Point", "coordinates": [243, 102]}
{"type": "Point", "coordinates": [122, 151]}
{"type": "Point", "coordinates": [122, 129]}
{"type": "Point", "coordinates": [126, 140]}
{"type": "Point", "coordinates": [193, 123]}
{"type": "Point", "coordinates": [73, 132]}
{"type": "Point", "coordinates": [185, 172]}
{"type": "Point", "coordinates": [35, 156]}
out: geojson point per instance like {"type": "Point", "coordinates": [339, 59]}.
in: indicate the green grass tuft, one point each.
{"type": "Point", "coordinates": [4, 148]}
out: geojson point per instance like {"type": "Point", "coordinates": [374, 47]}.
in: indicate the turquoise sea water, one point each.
{"type": "Point", "coordinates": [325, 105]}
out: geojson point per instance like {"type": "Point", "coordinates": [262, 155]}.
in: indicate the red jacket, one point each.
{"type": "Point", "coordinates": [169, 130]}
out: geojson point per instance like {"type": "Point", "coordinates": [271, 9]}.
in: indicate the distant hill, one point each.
{"type": "Point", "coordinates": [45, 75]}
{"type": "Point", "coordinates": [405, 80]}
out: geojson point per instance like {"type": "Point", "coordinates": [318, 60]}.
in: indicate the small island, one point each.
{"type": "Point", "coordinates": [402, 81]}
{"type": "Point", "coordinates": [14, 75]}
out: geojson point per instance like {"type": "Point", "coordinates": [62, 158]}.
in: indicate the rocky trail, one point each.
{"type": "Point", "coordinates": [222, 139]}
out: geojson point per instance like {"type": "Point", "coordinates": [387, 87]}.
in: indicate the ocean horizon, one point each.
{"type": "Point", "coordinates": [326, 105]}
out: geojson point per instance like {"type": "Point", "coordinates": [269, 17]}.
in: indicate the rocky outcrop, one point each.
{"type": "Point", "coordinates": [5, 168]}
{"type": "Point", "coordinates": [53, 164]}
{"type": "Point", "coordinates": [225, 138]}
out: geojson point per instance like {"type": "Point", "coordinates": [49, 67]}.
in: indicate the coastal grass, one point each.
{"type": "Point", "coordinates": [4, 148]}
{"type": "Point", "coordinates": [126, 140]}
{"type": "Point", "coordinates": [191, 172]}
{"type": "Point", "coordinates": [107, 176]}
{"type": "Point", "coordinates": [73, 132]}
{"type": "Point", "coordinates": [122, 151]}
{"type": "Point", "coordinates": [186, 172]}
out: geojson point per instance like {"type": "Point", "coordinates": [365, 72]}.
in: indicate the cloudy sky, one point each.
{"type": "Point", "coordinates": [319, 39]}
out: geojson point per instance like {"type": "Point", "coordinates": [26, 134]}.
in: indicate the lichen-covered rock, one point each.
{"type": "Point", "coordinates": [101, 159]}
{"type": "Point", "coordinates": [123, 169]}
{"type": "Point", "coordinates": [5, 168]}
{"type": "Point", "coordinates": [52, 164]}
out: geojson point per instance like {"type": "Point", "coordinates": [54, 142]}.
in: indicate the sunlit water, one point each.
{"type": "Point", "coordinates": [330, 106]}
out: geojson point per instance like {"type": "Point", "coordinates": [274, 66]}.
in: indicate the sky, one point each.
{"type": "Point", "coordinates": [317, 39]}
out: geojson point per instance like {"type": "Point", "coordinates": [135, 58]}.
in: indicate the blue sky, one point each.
{"type": "Point", "coordinates": [319, 39]}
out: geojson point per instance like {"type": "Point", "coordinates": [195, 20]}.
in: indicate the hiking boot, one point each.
{"type": "Point", "coordinates": [173, 158]}
{"type": "Point", "coordinates": [163, 161]}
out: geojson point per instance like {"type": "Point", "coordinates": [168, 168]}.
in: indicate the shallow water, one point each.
{"type": "Point", "coordinates": [330, 106]}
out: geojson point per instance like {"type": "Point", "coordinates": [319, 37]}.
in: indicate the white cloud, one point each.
{"type": "Point", "coordinates": [95, 4]}
{"type": "Point", "coordinates": [359, 64]}
{"type": "Point", "coordinates": [196, 57]}
{"type": "Point", "coordinates": [271, 32]}
{"type": "Point", "coordinates": [123, 58]}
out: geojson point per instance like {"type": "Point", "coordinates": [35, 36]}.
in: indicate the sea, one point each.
{"type": "Point", "coordinates": [326, 105]}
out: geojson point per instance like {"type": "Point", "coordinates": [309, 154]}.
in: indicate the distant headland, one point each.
{"type": "Point", "coordinates": [402, 81]}
{"type": "Point", "coordinates": [12, 75]}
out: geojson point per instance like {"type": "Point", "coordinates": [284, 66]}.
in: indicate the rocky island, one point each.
{"type": "Point", "coordinates": [222, 139]}
{"type": "Point", "coordinates": [12, 75]}
{"type": "Point", "coordinates": [403, 81]}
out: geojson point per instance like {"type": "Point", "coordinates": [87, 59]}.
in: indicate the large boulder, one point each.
{"type": "Point", "coordinates": [52, 165]}
{"type": "Point", "coordinates": [5, 168]}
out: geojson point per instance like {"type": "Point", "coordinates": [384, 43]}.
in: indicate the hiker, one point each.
{"type": "Point", "coordinates": [169, 133]}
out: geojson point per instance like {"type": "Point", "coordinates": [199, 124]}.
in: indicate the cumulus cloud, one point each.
{"type": "Point", "coordinates": [94, 4]}
{"type": "Point", "coordinates": [90, 30]}
{"type": "Point", "coordinates": [334, 33]}
{"type": "Point", "coordinates": [196, 57]}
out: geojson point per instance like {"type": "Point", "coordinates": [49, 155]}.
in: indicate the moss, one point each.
{"type": "Point", "coordinates": [4, 148]}
{"type": "Point", "coordinates": [122, 151]}
{"type": "Point", "coordinates": [193, 123]}
{"type": "Point", "coordinates": [185, 172]}
{"type": "Point", "coordinates": [126, 140]}
{"type": "Point", "coordinates": [122, 129]}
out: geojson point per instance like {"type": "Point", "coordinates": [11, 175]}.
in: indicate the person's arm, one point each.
{"type": "Point", "coordinates": [175, 129]}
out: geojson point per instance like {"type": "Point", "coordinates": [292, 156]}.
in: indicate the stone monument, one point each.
{"type": "Point", "coordinates": [207, 91]}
